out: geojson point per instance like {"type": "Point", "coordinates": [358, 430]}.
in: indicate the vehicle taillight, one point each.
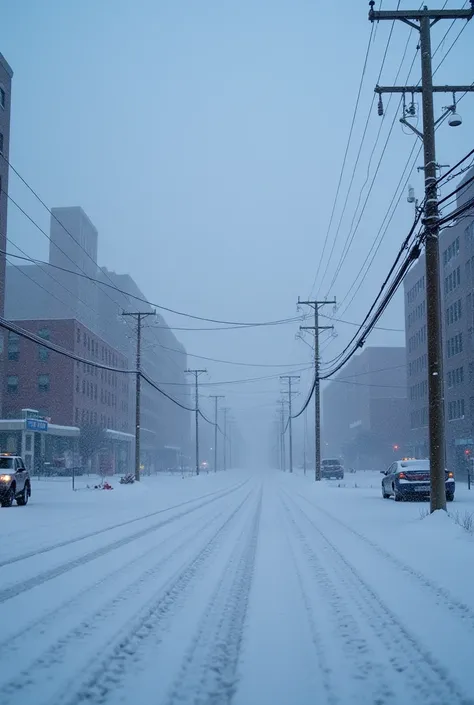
{"type": "Point", "coordinates": [402, 476]}
{"type": "Point", "coordinates": [450, 474]}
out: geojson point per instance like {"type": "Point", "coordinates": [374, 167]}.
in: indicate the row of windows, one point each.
{"type": "Point", "coordinates": [452, 281]}
{"type": "Point", "coordinates": [419, 418]}
{"type": "Point", "coordinates": [90, 390]}
{"type": "Point", "coordinates": [470, 268]}
{"type": "Point", "coordinates": [14, 346]}
{"type": "Point", "coordinates": [456, 409]}
{"type": "Point", "coordinates": [417, 313]}
{"type": "Point", "coordinates": [417, 339]}
{"type": "Point", "coordinates": [469, 235]}
{"type": "Point", "coordinates": [455, 377]}
{"type": "Point", "coordinates": [86, 417]}
{"type": "Point", "coordinates": [419, 391]}
{"type": "Point", "coordinates": [416, 289]}
{"type": "Point", "coordinates": [418, 365]}
{"type": "Point", "coordinates": [454, 312]}
{"type": "Point", "coordinates": [454, 345]}
{"type": "Point", "coordinates": [13, 383]}
{"type": "Point", "coordinates": [106, 376]}
{"type": "Point", "coordinates": [451, 252]}
{"type": "Point", "coordinates": [107, 356]}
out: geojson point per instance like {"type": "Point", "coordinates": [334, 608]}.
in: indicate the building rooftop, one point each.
{"type": "Point", "coordinates": [6, 65]}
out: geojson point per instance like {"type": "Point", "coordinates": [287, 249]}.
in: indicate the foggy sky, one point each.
{"type": "Point", "coordinates": [204, 140]}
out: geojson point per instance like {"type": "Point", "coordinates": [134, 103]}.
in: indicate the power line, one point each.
{"type": "Point", "coordinates": [49, 237]}
{"type": "Point", "coordinates": [232, 362]}
{"type": "Point", "coordinates": [227, 324]}
{"type": "Point", "coordinates": [344, 158]}
{"type": "Point", "coordinates": [354, 169]}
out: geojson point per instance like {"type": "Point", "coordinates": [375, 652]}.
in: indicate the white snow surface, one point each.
{"type": "Point", "coordinates": [242, 588]}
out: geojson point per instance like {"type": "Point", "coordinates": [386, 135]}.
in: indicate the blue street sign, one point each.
{"type": "Point", "coordinates": [36, 425]}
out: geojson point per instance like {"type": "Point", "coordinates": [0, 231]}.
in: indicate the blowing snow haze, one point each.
{"type": "Point", "coordinates": [225, 257]}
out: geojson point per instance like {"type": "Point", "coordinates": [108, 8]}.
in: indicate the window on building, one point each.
{"type": "Point", "coordinates": [83, 386]}
{"type": "Point", "coordinates": [3, 97]}
{"type": "Point", "coordinates": [43, 383]}
{"type": "Point", "coordinates": [1, 142]}
{"type": "Point", "coordinates": [12, 384]}
{"type": "Point", "coordinates": [13, 346]}
{"type": "Point", "coordinates": [87, 417]}
{"type": "Point", "coordinates": [78, 335]}
{"type": "Point", "coordinates": [43, 353]}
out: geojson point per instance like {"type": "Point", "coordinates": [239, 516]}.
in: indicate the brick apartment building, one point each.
{"type": "Point", "coordinates": [68, 392]}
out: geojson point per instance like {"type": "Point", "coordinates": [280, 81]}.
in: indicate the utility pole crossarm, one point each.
{"type": "Point", "coordinates": [417, 15]}
{"type": "Point", "coordinates": [419, 89]}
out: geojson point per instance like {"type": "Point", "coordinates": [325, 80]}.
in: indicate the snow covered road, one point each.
{"type": "Point", "coordinates": [250, 589]}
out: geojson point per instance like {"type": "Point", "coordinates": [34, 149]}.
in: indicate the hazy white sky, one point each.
{"type": "Point", "coordinates": [205, 140]}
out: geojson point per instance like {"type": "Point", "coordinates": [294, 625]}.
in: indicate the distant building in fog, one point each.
{"type": "Point", "coordinates": [6, 75]}
{"type": "Point", "coordinates": [46, 293]}
{"type": "Point", "coordinates": [456, 248]}
{"type": "Point", "coordinates": [365, 408]}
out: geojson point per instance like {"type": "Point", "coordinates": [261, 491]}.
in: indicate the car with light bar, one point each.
{"type": "Point", "coordinates": [410, 479]}
{"type": "Point", "coordinates": [15, 482]}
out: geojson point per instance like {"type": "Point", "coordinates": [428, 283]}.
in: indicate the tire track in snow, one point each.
{"type": "Point", "coordinates": [444, 598]}
{"type": "Point", "coordinates": [365, 672]}
{"type": "Point", "coordinates": [37, 627]}
{"type": "Point", "coordinates": [82, 537]}
{"type": "Point", "coordinates": [208, 674]}
{"type": "Point", "coordinates": [106, 656]}
{"type": "Point", "coordinates": [17, 588]}
{"type": "Point", "coordinates": [409, 660]}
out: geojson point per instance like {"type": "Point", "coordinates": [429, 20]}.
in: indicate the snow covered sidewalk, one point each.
{"type": "Point", "coordinates": [250, 589]}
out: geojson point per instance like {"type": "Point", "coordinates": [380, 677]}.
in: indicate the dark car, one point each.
{"type": "Point", "coordinates": [410, 479]}
{"type": "Point", "coordinates": [15, 483]}
{"type": "Point", "coordinates": [332, 468]}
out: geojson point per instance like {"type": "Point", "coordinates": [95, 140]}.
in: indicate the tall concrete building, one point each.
{"type": "Point", "coordinates": [6, 75]}
{"type": "Point", "coordinates": [364, 408]}
{"type": "Point", "coordinates": [457, 272]}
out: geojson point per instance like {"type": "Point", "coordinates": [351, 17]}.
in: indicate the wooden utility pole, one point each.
{"type": "Point", "coordinates": [196, 374]}
{"type": "Point", "coordinates": [139, 316]}
{"type": "Point", "coordinates": [422, 20]}
{"type": "Point", "coordinates": [216, 398]}
{"type": "Point", "coordinates": [317, 386]}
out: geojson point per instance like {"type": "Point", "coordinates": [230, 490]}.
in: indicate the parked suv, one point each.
{"type": "Point", "coordinates": [331, 467]}
{"type": "Point", "coordinates": [15, 481]}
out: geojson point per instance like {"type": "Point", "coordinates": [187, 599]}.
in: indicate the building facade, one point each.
{"type": "Point", "coordinates": [457, 272]}
{"type": "Point", "coordinates": [365, 408]}
{"type": "Point", "coordinates": [47, 293]}
{"type": "Point", "coordinates": [67, 392]}
{"type": "Point", "coordinates": [6, 75]}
